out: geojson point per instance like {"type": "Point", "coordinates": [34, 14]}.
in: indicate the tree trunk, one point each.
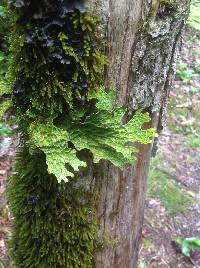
{"type": "Point", "coordinates": [143, 41]}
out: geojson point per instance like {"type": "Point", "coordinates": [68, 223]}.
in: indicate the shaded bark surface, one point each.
{"type": "Point", "coordinates": [143, 41]}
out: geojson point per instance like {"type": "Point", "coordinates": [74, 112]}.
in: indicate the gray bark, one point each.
{"type": "Point", "coordinates": [143, 41]}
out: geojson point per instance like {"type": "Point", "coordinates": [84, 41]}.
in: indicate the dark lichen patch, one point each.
{"type": "Point", "coordinates": [165, 10]}
{"type": "Point", "coordinates": [63, 58]}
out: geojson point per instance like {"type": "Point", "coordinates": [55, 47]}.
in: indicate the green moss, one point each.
{"type": "Point", "coordinates": [4, 107]}
{"type": "Point", "coordinates": [54, 224]}
{"type": "Point", "coordinates": [49, 93]}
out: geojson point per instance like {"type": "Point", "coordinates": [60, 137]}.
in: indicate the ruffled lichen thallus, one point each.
{"type": "Point", "coordinates": [62, 108]}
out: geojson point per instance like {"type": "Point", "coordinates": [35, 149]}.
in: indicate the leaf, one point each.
{"type": "Point", "coordinates": [53, 142]}
{"type": "Point", "coordinates": [105, 99]}
{"type": "Point", "coordinates": [2, 56]}
{"type": "Point", "coordinates": [193, 242]}
{"type": "Point", "coordinates": [194, 19]}
{"type": "Point", "coordinates": [185, 250]}
{"type": "Point", "coordinates": [141, 265]}
{"type": "Point", "coordinates": [102, 132]}
{"type": "Point", "coordinates": [2, 12]}
{"type": "Point", "coordinates": [187, 244]}
{"type": "Point", "coordinates": [4, 130]}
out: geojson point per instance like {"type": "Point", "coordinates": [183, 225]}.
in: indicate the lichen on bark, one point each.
{"type": "Point", "coordinates": [154, 56]}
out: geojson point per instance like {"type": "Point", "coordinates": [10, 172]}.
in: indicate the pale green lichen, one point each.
{"type": "Point", "coordinates": [102, 132]}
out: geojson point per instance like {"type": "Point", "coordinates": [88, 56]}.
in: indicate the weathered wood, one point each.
{"type": "Point", "coordinates": [143, 40]}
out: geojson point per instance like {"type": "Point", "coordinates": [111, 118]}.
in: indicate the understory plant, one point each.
{"type": "Point", "coordinates": [67, 120]}
{"type": "Point", "coordinates": [187, 244]}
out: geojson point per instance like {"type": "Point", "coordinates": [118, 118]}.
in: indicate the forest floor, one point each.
{"type": "Point", "coordinates": [173, 198]}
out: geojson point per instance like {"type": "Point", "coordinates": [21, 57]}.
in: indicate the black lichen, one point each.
{"type": "Point", "coordinates": [60, 52]}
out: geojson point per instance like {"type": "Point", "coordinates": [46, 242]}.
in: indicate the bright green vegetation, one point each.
{"type": "Point", "coordinates": [1, 264]}
{"type": "Point", "coordinates": [187, 244]}
{"type": "Point", "coordinates": [5, 103]}
{"type": "Point", "coordinates": [193, 90]}
{"type": "Point", "coordinates": [194, 17]}
{"type": "Point", "coordinates": [184, 73]}
{"type": "Point", "coordinates": [4, 131]}
{"type": "Point", "coordinates": [101, 133]}
{"type": "Point", "coordinates": [184, 112]}
{"type": "Point", "coordinates": [162, 186]}
{"type": "Point", "coordinates": [56, 112]}
{"type": "Point", "coordinates": [193, 141]}
{"type": "Point", "coordinates": [141, 265]}
{"type": "Point", "coordinates": [197, 65]}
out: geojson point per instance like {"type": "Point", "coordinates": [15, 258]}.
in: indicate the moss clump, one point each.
{"type": "Point", "coordinates": [54, 224]}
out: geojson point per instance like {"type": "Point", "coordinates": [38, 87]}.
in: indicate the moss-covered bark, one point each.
{"type": "Point", "coordinates": [54, 224]}
{"type": "Point", "coordinates": [56, 63]}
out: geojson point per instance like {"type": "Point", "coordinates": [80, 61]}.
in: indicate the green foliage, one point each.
{"type": "Point", "coordinates": [54, 223]}
{"type": "Point", "coordinates": [101, 132]}
{"type": "Point", "coordinates": [187, 244]}
{"type": "Point", "coordinates": [161, 185]}
{"type": "Point", "coordinates": [184, 73]}
{"type": "Point", "coordinates": [4, 88]}
{"type": "Point", "coordinates": [193, 90]}
{"type": "Point", "coordinates": [4, 107]}
{"type": "Point", "coordinates": [2, 11]}
{"type": "Point", "coordinates": [5, 103]}
{"type": "Point", "coordinates": [193, 141]}
{"type": "Point", "coordinates": [58, 112]}
{"type": "Point", "coordinates": [1, 263]}
{"type": "Point", "coordinates": [3, 63]}
{"type": "Point", "coordinates": [4, 30]}
{"type": "Point", "coordinates": [197, 65]}
{"type": "Point", "coordinates": [141, 265]}
{"type": "Point", "coordinates": [4, 131]}
{"type": "Point", "coordinates": [194, 16]}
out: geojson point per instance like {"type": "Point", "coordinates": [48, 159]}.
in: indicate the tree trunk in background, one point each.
{"type": "Point", "coordinates": [143, 41]}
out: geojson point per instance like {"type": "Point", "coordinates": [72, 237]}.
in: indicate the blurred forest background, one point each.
{"type": "Point", "coordinates": [171, 230]}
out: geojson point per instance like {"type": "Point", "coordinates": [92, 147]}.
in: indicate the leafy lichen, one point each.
{"type": "Point", "coordinates": [101, 132]}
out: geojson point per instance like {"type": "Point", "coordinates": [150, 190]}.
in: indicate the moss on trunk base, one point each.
{"type": "Point", "coordinates": [53, 227]}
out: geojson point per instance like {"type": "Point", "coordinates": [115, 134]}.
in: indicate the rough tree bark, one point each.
{"type": "Point", "coordinates": [143, 41]}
